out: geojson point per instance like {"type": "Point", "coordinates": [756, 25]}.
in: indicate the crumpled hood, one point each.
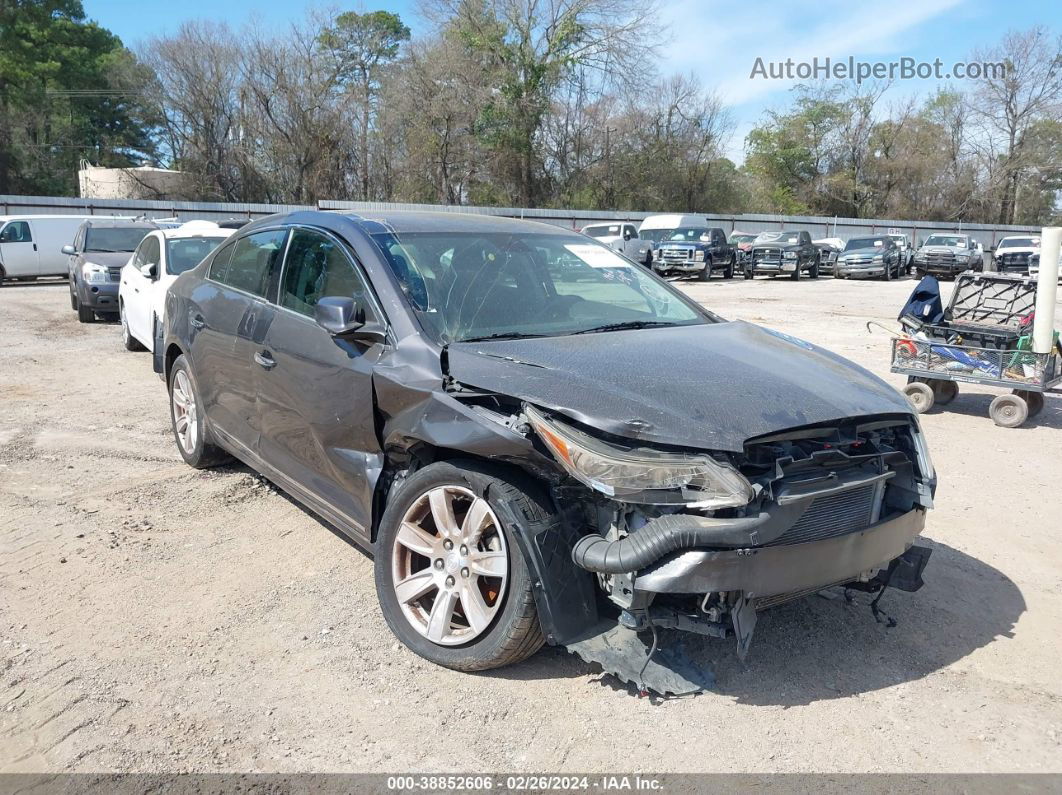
{"type": "Point", "coordinates": [709, 386]}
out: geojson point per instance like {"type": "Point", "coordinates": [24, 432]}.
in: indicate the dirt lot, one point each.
{"type": "Point", "coordinates": [156, 618]}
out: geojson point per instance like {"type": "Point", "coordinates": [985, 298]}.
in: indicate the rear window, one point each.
{"type": "Point", "coordinates": [254, 260]}
{"type": "Point", "coordinates": [612, 230]}
{"type": "Point", "coordinates": [112, 239]}
{"type": "Point", "coordinates": [185, 253]}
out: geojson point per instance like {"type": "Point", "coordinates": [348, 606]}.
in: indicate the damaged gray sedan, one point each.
{"type": "Point", "coordinates": [537, 440]}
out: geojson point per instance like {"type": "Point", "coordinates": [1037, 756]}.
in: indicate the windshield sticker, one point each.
{"type": "Point", "coordinates": [597, 256]}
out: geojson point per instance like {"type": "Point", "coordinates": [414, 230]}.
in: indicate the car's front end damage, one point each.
{"type": "Point", "coordinates": [701, 536]}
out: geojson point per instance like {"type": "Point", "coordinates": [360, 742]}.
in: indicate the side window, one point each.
{"type": "Point", "coordinates": [630, 230]}
{"type": "Point", "coordinates": [316, 267]}
{"type": "Point", "coordinates": [150, 251]}
{"type": "Point", "coordinates": [253, 261]}
{"type": "Point", "coordinates": [16, 232]}
{"type": "Point", "coordinates": [220, 262]}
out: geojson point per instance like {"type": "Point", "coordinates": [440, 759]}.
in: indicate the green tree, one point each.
{"type": "Point", "coordinates": [362, 44]}
{"type": "Point", "coordinates": [68, 90]}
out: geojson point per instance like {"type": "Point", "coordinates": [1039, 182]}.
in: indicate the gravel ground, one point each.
{"type": "Point", "coordinates": [155, 618]}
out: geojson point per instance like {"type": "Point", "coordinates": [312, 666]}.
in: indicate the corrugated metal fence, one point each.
{"type": "Point", "coordinates": [820, 227]}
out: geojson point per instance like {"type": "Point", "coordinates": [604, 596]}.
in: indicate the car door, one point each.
{"type": "Point", "coordinates": [18, 251]}
{"type": "Point", "coordinates": [138, 286]}
{"type": "Point", "coordinates": [323, 436]}
{"type": "Point", "coordinates": [228, 316]}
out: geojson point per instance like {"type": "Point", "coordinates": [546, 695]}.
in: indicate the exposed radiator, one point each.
{"type": "Point", "coordinates": [835, 515]}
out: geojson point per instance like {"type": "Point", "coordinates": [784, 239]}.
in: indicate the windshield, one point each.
{"type": "Point", "coordinates": [612, 230]}
{"type": "Point", "coordinates": [955, 241]}
{"type": "Point", "coordinates": [185, 253]}
{"type": "Point", "coordinates": [778, 237]}
{"type": "Point", "coordinates": [742, 238]}
{"type": "Point", "coordinates": [687, 233]}
{"type": "Point", "coordinates": [115, 238]}
{"type": "Point", "coordinates": [472, 285]}
{"type": "Point", "coordinates": [900, 239]}
{"type": "Point", "coordinates": [1019, 242]}
{"type": "Point", "coordinates": [863, 242]}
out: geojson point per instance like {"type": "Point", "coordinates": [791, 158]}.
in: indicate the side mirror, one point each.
{"type": "Point", "coordinates": [347, 318]}
{"type": "Point", "coordinates": [69, 250]}
{"type": "Point", "coordinates": [151, 270]}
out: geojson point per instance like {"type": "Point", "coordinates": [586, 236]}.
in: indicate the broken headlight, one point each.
{"type": "Point", "coordinates": [641, 475]}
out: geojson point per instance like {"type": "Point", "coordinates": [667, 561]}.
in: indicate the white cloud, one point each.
{"type": "Point", "coordinates": [720, 41]}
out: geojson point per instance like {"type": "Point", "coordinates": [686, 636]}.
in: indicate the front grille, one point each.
{"type": "Point", "coordinates": [858, 260]}
{"type": "Point", "coordinates": [834, 515]}
{"type": "Point", "coordinates": [676, 254]}
{"type": "Point", "coordinates": [1015, 260]}
{"type": "Point", "coordinates": [114, 274]}
{"type": "Point", "coordinates": [767, 254]}
{"type": "Point", "coordinates": [940, 258]}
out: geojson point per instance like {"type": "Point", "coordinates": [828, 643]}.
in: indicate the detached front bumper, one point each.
{"type": "Point", "coordinates": [783, 568]}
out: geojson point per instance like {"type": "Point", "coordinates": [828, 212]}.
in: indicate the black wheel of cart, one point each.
{"type": "Point", "coordinates": [944, 391]}
{"type": "Point", "coordinates": [920, 395]}
{"type": "Point", "coordinates": [1009, 411]}
{"type": "Point", "coordinates": [1034, 400]}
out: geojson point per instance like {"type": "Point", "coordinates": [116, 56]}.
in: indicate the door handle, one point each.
{"type": "Point", "coordinates": [196, 321]}
{"type": "Point", "coordinates": [263, 358]}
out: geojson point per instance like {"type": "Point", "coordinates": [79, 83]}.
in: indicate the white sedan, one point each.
{"type": "Point", "coordinates": [159, 259]}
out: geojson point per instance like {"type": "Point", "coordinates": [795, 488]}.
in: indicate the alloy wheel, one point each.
{"type": "Point", "coordinates": [450, 565]}
{"type": "Point", "coordinates": [185, 414]}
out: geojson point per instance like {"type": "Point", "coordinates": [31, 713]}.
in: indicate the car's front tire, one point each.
{"type": "Point", "coordinates": [186, 419]}
{"type": "Point", "coordinates": [451, 579]}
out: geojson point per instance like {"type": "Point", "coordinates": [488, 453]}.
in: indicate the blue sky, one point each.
{"type": "Point", "coordinates": [718, 40]}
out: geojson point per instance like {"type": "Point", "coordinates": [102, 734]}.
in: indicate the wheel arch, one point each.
{"type": "Point", "coordinates": [565, 595]}
{"type": "Point", "coordinates": [173, 350]}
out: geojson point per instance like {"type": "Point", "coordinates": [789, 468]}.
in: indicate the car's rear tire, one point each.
{"type": "Point", "coordinates": [415, 569]}
{"type": "Point", "coordinates": [130, 342]}
{"type": "Point", "coordinates": [73, 300]}
{"type": "Point", "coordinates": [192, 438]}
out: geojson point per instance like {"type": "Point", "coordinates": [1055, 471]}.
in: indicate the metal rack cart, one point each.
{"type": "Point", "coordinates": [985, 340]}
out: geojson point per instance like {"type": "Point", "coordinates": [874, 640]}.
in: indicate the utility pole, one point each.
{"type": "Point", "coordinates": [610, 193]}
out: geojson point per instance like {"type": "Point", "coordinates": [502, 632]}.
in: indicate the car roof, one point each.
{"type": "Point", "coordinates": [195, 229]}
{"type": "Point", "coordinates": [111, 223]}
{"type": "Point", "coordinates": [409, 221]}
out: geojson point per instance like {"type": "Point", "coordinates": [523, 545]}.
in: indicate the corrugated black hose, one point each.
{"type": "Point", "coordinates": [660, 537]}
